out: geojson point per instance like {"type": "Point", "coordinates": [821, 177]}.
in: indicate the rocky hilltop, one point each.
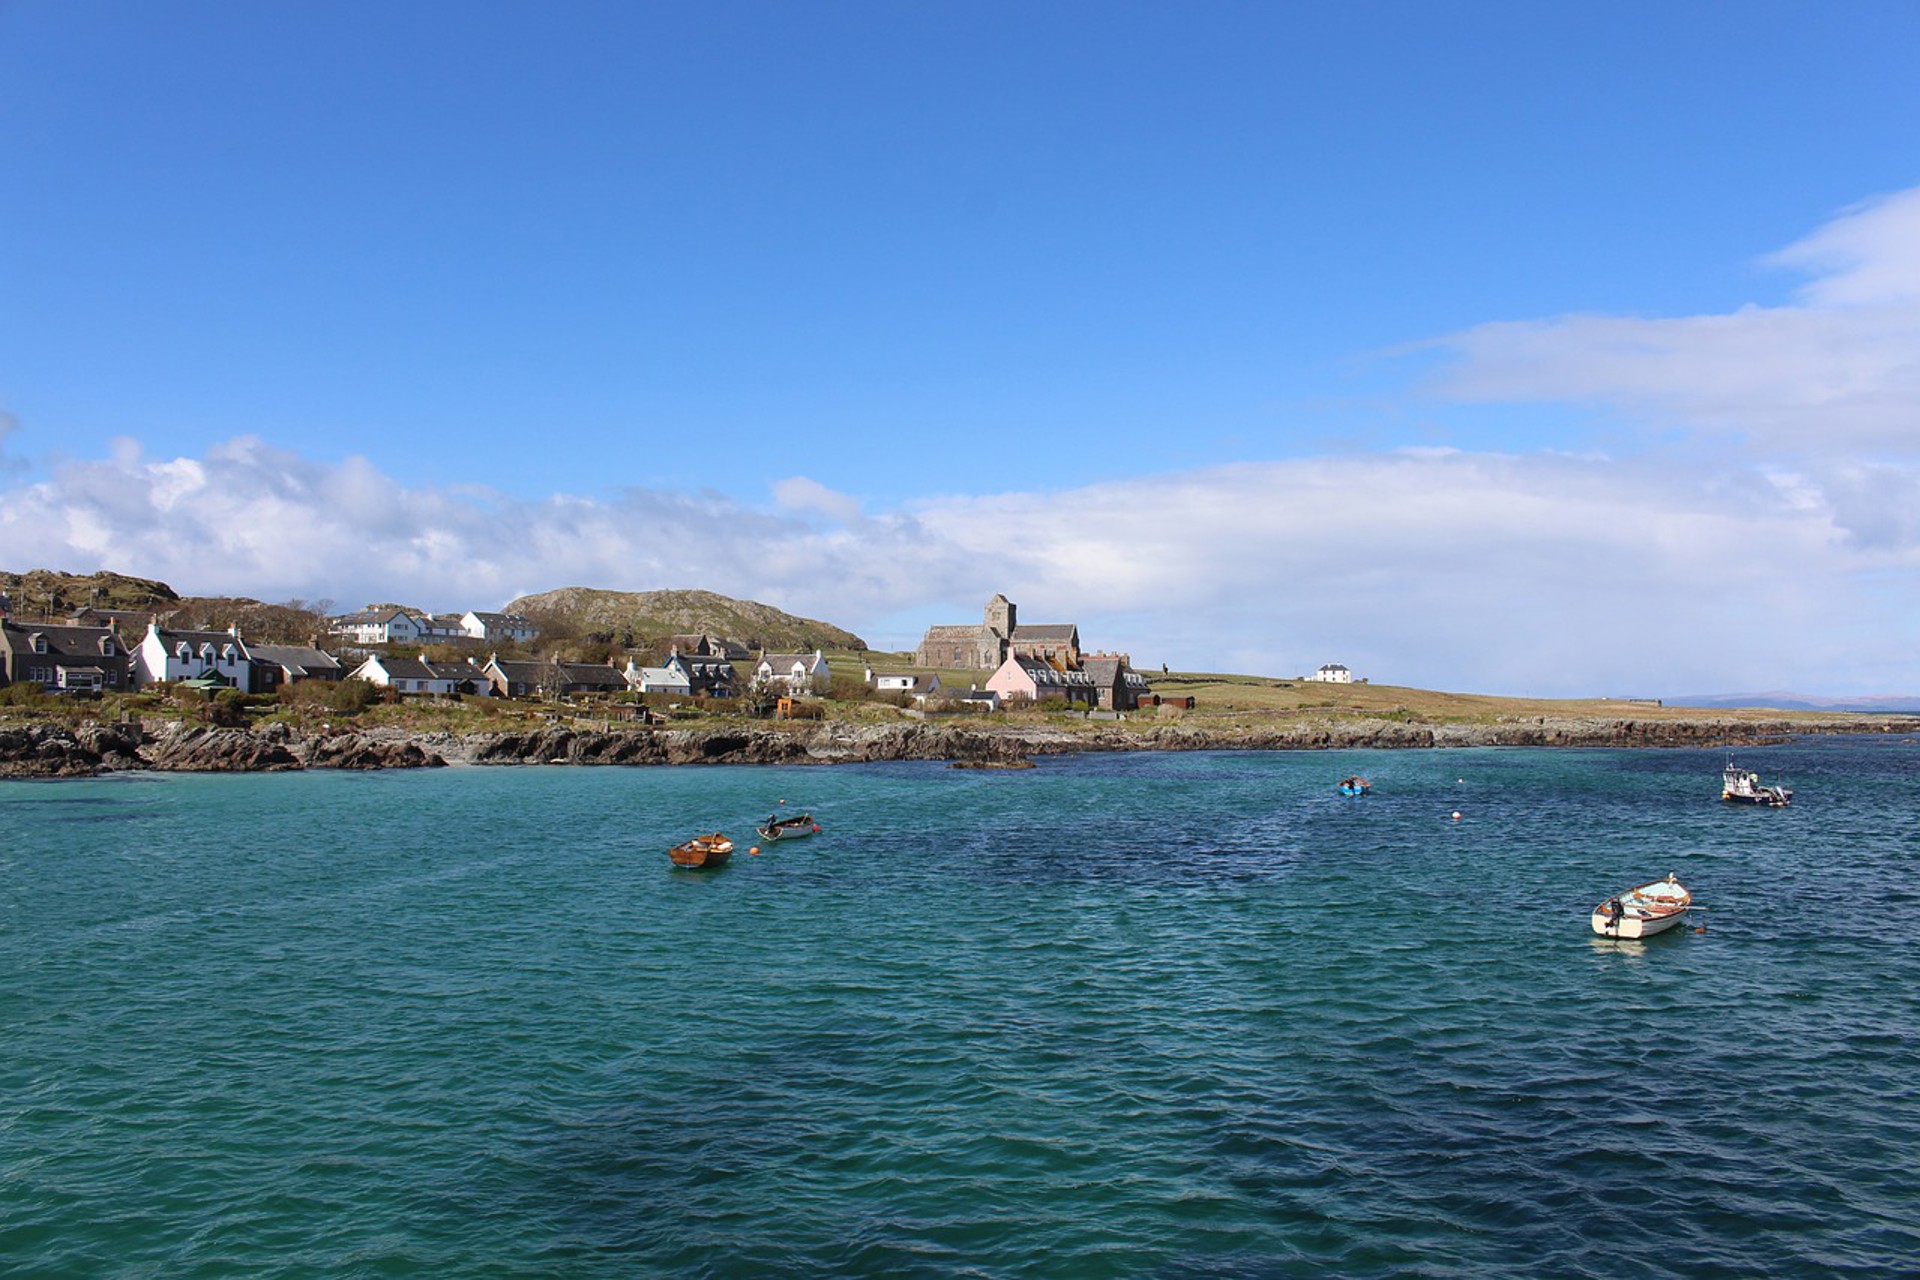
{"type": "Point", "coordinates": [46, 751]}
{"type": "Point", "coordinates": [49, 593]}
{"type": "Point", "coordinates": [641, 616]}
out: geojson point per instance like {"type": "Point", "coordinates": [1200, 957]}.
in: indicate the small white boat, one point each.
{"type": "Point", "coordinates": [1643, 911]}
{"type": "Point", "coordinates": [795, 828]}
{"type": "Point", "coordinates": [1743, 786]}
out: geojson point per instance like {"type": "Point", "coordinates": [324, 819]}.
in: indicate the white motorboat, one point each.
{"type": "Point", "coordinates": [1743, 786]}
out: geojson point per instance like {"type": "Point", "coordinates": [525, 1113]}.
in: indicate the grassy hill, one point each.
{"type": "Point", "coordinates": [642, 617]}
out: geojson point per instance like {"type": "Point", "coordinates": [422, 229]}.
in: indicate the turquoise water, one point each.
{"type": "Point", "coordinates": [1117, 1015]}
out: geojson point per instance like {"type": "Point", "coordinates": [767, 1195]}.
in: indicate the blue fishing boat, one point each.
{"type": "Point", "coordinates": [1355, 786]}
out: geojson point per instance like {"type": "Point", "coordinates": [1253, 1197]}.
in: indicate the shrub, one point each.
{"type": "Point", "coordinates": [351, 696]}
{"type": "Point", "coordinates": [28, 696]}
{"type": "Point", "coordinates": [846, 688]}
{"type": "Point", "coordinates": [227, 709]}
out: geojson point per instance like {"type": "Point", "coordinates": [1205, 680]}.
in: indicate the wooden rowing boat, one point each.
{"type": "Point", "coordinates": [702, 851]}
{"type": "Point", "coordinates": [798, 827]}
{"type": "Point", "coordinates": [1644, 910]}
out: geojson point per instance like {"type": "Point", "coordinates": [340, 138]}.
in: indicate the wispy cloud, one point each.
{"type": "Point", "coordinates": [1839, 368]}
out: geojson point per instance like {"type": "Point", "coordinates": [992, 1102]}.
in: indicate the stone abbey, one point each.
{"type": "Point", "coordinates": [999, 636]}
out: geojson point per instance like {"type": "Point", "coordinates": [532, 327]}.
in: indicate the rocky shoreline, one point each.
{"type": "Point", "coordinates": [56, 751]}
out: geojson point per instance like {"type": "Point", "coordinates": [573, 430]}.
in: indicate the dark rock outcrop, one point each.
{"type": "Point", "coordinates": [55, 751]}
{"type": "Point", "coordinates": [190, 748]}
{"type": "Point", "coordinates": [353, 751]}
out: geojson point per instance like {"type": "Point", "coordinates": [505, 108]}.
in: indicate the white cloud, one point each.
{"type": "Point", "coordinates": [801, 495]}
{"type": "Point", "coordinates": [1868, 256]}
{"type": "Point", "coordinates": [1839, 369]}
{"type": "Point", "coordinates": [1539, 573]}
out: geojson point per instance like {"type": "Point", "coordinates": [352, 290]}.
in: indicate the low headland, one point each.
{"type": "Point", "coordinates": [51, 737]}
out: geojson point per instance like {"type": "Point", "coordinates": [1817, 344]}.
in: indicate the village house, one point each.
{"type": "Point", "coordinates": [551, 679]}
{"type": "Point", "coordinates": [511, 679]}
{"type": "Point", "coordinates": [166, 655]}
{"type": "Point", "coordinates": [415, 676]}
{"type": "Point", "coordinates": [999, 636]}
{"type": "Point", "coordinates": [378, 626]}
{"type": "Point", "coordinates": [63, 658]}
{"type": "Point", "coordinates": [298, 662]}
{"type": "Point", "coordinates": [441, 627]}
{"type": "Point", "coordinates": [794, 672]}
{"type": "Point", "coordinates": [671, 681]}
{"type": "Point", "coordinates": [495, 628]}
{"type": "Point", "coordinates": [1030, 680]}
{"type": "Point", "coordinates": [1332, 673]}
{"type": "Point", "coordinates": [915, 684]}
{"type": "Point", "coordinates": [707, 676]}
{"type": "Point", "coordinates": [1117, 686]}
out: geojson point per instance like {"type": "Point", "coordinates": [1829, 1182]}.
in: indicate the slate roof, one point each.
{"type": "Point", "coordinates": [68, 645]}
{"type": "Point", "coordinates": [406, 669]}
{"type": "Point", "coordinates": [1045, 633]}
{"type": "Point", "coordinates": [1048, 677]}
{"type": "Point", "coordinates": [595, 675]}
{"type": "Point", "coordinates": [198, 638]}
{"type": "Point", "coordinates": [296, 658]}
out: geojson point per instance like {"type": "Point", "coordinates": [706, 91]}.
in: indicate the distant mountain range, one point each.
{"type": "Point", "coordinates": [1907, 702]}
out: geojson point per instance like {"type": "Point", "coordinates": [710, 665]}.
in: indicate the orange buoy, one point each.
{"type": "Point", "coordinates": [754, 850]}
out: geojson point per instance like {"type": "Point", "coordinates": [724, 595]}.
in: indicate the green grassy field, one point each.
{"type": "Point", "coordinates": [1224, 699]}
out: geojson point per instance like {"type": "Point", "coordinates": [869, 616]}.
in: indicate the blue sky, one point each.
{"type": "Point", "coordinates": [1507, 347]}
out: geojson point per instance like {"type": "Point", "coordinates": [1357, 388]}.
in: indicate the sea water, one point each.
{"type": "Point", "coordinates": [1117, 1015]}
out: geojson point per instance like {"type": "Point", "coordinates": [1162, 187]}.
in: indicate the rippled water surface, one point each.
{"type": "Point", "coordinates": [1117, 1015]}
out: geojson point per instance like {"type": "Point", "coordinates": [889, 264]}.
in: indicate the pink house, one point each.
{"type": "Point", "coordinates": [1031, 679]}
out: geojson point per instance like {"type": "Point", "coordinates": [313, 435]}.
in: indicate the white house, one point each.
{"type": "Point", "coordinates": [1332, 673]}
{"type": "Point", "coordinates": [915, 684]}
{"type": "Point", "coordinates": [495, 627]}
{"type": "Point", "coordinates": [411, 675]}
{"type": "Point", "coordinates": [794, 672]}
{"type": "Point", "coordinates": [670, 679]}
{"type": "Point", "coordinates": [442, 626]}
{"type": "Point", "coordinates": [708, 675]}
{"type": "Point", "coordinates": [379, 626]}
{"type": "Point", "coordinates": [190, 655]}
